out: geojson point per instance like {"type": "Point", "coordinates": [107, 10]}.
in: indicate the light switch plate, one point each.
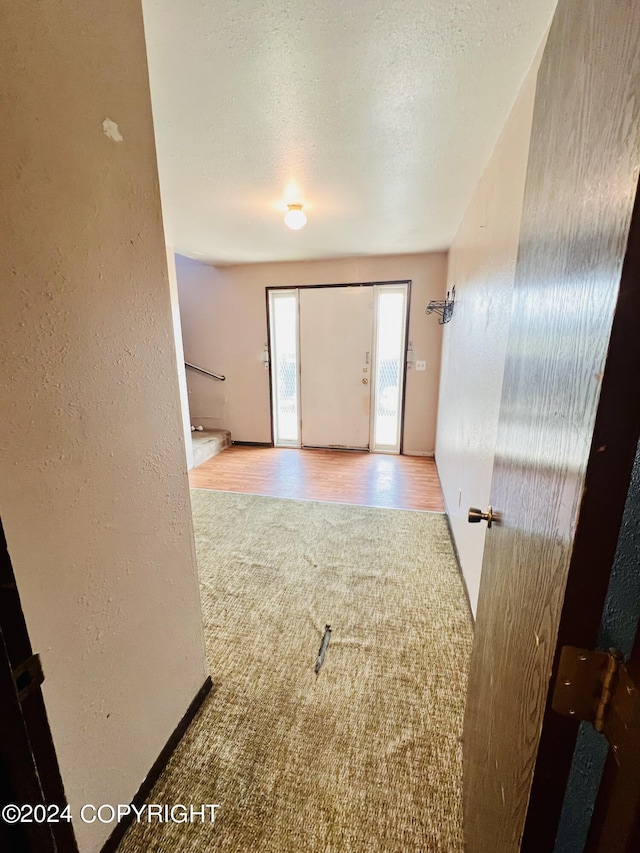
{"type": "Point", "coordinates": [421, 365]}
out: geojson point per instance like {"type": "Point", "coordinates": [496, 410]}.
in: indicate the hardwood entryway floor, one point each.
{"type": "Point", "coordinates": [366, 479]}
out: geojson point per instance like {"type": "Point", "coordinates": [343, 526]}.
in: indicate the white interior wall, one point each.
{"type": "Point", "coordinates": [182, 373]}
{"type": "Point", "coordinates": [224, 323]}
{"type": "Point", "coordinates": [482, 261]}
{"type": "Point", "coordinates": [93, 485]}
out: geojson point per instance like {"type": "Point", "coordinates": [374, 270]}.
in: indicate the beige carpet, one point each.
{"type": "Point", "coordinates": [364, 757]}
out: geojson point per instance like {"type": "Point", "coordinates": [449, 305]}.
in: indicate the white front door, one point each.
{"type": "Point", "coordinates": [336, 334]}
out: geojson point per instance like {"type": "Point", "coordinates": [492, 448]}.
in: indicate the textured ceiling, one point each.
{"type": "Point", "coordinates": [378, 116]}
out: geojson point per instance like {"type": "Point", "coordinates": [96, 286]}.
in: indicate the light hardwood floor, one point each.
{"type": "Point", "coordinates": [366, 479]}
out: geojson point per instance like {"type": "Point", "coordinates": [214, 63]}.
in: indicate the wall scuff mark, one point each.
{"type": "Point", "coordinates": [112, 130]}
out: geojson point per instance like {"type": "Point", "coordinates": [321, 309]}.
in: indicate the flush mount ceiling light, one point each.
{"type": "Point", "coordinates": [294, 217]}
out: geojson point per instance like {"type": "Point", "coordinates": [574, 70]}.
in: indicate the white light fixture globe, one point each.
{"type": "Point", "coordinates": [294, 217]}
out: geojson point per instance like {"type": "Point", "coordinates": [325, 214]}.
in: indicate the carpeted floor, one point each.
{"type": "Point", "coordinates": [364, 757]}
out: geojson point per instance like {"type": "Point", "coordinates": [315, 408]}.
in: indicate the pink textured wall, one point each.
{"type": "Point", "coordinates": [93, 484]}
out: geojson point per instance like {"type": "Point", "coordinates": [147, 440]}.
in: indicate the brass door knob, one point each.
{"type": "Point", "coordinates": [476, 515]}
{"type": "Point", "coordinates": [365, 381]}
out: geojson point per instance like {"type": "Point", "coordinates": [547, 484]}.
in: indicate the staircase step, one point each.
{"type": "Point", "coordinates": [208, 443]}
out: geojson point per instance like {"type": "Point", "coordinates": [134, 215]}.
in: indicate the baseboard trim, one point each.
{"type": "Point", "coordinates": [253, 443]}
{"type": "Point", "coordinates": [457, 556]}
{"type": "Point", "coordinates": [112, 842]}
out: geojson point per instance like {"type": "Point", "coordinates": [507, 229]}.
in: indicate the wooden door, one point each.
{"type": "Point", "coordinates": [568, 425]}
{"type": "Point", "coordinates": [336, 332]}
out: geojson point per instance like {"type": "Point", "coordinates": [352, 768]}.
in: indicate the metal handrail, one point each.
{"type": "Point", "coordinates": [206, 372]}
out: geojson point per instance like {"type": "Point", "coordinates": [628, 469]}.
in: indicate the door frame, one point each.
{"type": "Point", "coordinates": [372, 284]}
{"type": "Point", "coordinates": [29, 768]}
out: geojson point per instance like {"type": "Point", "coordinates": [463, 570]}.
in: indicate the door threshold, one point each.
{"type": "Point", "coordinates": [335, 447]}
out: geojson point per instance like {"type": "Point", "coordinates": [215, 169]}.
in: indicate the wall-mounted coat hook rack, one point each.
{"type": "Point", "coordinates": [443, 307]}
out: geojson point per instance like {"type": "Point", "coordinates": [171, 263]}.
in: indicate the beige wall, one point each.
{"type": "Point", "coordinates": [93, 486]}
{"type": "Point", "coordinates": [224, 324]}
{"type": "Point", "coordinates": [482, 261]}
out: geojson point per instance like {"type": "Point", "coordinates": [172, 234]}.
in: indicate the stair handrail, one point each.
{"type": "Point", "coordinates": [206, 372]}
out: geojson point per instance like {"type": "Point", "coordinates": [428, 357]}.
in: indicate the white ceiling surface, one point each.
{"type": "Point", "coordinates": [378, 116]}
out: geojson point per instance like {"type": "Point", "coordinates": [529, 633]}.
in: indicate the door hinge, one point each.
{"type": "Point", "coordinates": [596, 687]}
{"type": "Point", "coordinates": [28, 677]}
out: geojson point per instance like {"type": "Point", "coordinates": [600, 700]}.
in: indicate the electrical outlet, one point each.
{"type": "Point", "coordinates": [421, 365]}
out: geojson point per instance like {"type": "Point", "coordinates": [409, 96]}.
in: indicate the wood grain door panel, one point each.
{"type": "Point", "coordinates": [579, 197]}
